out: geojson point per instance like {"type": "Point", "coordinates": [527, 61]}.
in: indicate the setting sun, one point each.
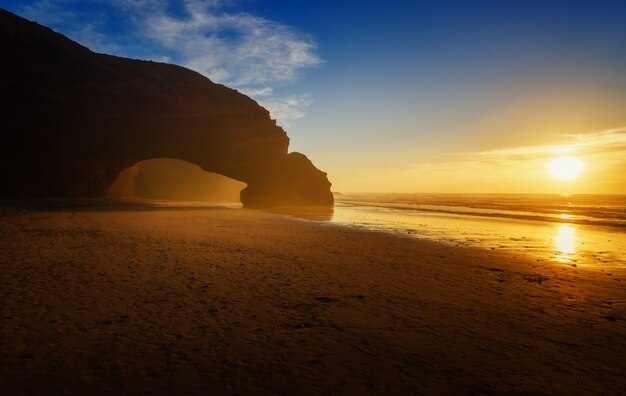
{"type": "Point", "coordinates": [566, 168]}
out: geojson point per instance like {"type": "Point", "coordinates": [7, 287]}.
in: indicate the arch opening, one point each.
{"type": "Point", "coordinates": [174, 180]}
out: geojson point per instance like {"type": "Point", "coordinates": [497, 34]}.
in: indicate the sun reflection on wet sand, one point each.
{"type": "Point", "coordinates": [565, 243]}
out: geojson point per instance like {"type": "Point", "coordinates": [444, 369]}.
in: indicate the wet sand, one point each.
{"type": "Point", "coordinates": [143, 300]}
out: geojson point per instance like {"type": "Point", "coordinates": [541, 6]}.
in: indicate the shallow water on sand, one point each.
{"type": "Point", "coordinates": [581, 231]}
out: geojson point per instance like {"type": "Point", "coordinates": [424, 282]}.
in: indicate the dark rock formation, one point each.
{"type": "Point", "coordinates": [174, 180]}
{"type": "Point", "coordinates": [73, 119]}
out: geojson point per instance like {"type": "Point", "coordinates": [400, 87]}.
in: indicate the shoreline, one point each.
{"type": "Point", "coordinates": [554, 220]}
{"type": "Point", "coordinates": [571, 244]}
{"type": "Point", "coordinates": [240, 302]}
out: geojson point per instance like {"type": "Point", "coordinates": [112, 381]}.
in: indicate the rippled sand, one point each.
{"type": "Point", "coordinates": [173, 300]}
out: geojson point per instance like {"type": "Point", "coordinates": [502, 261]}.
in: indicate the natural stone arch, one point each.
{"type": "Point", "coordinates": [75, 119]}
{"type": "Point", "coordinates": [174, 180]}
{"type": "Point", "coordinates": [247, 148]}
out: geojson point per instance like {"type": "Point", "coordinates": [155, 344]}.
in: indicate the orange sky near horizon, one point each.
{"type": "Point", "coordinates": [496, 138]}
{"type": "Point", "coordinates": [521, 169]}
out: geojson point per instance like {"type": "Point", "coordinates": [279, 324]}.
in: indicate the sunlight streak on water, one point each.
{"type": "Point", "coordinates": [565, 243]}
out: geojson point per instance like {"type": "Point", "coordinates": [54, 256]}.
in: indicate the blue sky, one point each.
{"type": "Point", "coordinates": [369, 89]}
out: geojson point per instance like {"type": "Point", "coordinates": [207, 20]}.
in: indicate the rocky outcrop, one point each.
{"type": "Point", "coordinates": [174, 180]}
{"type": "Point", "coordinates": [72, 120]}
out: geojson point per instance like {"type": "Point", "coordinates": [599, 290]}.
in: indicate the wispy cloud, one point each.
{"type": "Point", "coordinates": [288, 108]}
{"type": "Point", "coordinates": [581, 144]}
{"type": "Point", "coordinates": [258, 92]}
{"type": "Point", "coordinates": [522, 169]}
{"type": "Point", "coordinates": [243, 51]}
{"type": "Point", "coordinates": [238, 49]}
{"type": "Point", "coordinates": [48, 12]}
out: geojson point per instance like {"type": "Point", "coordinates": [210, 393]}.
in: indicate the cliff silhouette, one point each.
{"type": "Point", "coordinates": [72, 120]}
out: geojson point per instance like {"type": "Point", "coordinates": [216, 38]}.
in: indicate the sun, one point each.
{"type": "Point", "coordinates": [566, 168]}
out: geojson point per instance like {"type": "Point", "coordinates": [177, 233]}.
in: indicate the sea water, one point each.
{"type": "Point", "coordinates": [576, 230]}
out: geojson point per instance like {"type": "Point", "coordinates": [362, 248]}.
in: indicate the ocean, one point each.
{"type": "Point", "coordinates": [571, 229]}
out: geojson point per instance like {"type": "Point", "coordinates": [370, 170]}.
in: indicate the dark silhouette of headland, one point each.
{"type": "Point", "coordinates": [74, 119]}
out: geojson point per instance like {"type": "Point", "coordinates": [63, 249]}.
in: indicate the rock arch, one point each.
{"type": "Point", "coordinates": [75, 119]}
{"type": "Point", "coordinates": [174, 180]}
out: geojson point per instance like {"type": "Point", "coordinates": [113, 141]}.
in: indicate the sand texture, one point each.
{"type": "Point", "coordinates": [225, 301]}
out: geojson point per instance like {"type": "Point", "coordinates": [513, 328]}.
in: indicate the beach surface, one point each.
{"type": "Point", "coordinates": [210, 300]}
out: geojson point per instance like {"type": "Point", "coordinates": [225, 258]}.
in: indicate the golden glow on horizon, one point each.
{"type": "Point", "coordinates": [566, 168]}
{"type": "Point", "coordinates": [598, 164]}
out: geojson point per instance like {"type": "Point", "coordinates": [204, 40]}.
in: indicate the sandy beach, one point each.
{"type": "Point", "coordinates": [183, 300]}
